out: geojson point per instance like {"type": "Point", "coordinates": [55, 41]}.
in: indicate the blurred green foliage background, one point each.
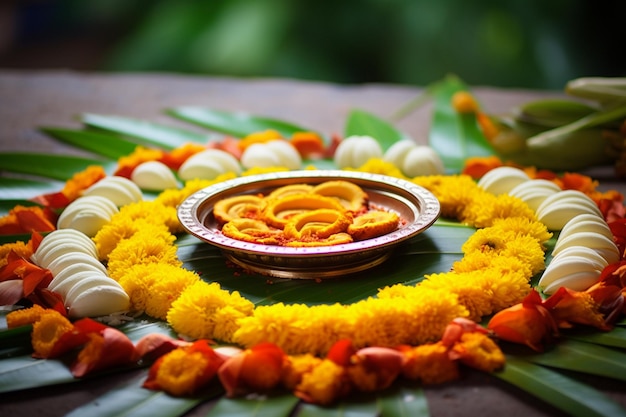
{"type": "Point", "coordinates": [507, 43]}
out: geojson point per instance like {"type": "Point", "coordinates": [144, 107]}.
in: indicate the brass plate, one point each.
{"type": "Point", "coordinates": [418, 208]}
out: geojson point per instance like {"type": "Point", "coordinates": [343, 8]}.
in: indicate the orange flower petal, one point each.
{"type": "Point", "coordinates": [375, 368]}
{"type": "Point", "coordinates": [528, 323]}
{"type": "Point", "coordinates": [107, 348]}
{"type": "Point", "coordinates": [257, 369]}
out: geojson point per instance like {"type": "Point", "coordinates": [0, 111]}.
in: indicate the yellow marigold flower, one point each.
{"type": "Point", "coordinates": [168, 282]}
{"type": "Point", "coordinates": [137, 282]}
{"type": "Point", "coordinates": [24, 316]}
{"type": "Point", "coordinates": [324, 384]}
{"type": "Point", "coordinates": [152, 212]}
{"type": "Point", "coordinates": [523, 226]}
{"type": "Point", "coordinates": [453, 192]}
{"type": "Point", "coordinates": [180, 370]}
{"type": "Point", "coordinates": [47, 331]}
{"type": "Point", "coordinates": [480, 352]}
{"type": "Point", "coordinates": [380, 166]}
{"type": "Point", "coordinates": [490, 208]}
{"type": "Point", "coordinates": [503, 242]}
{"type": "Point", "coordinates": [295, 367]}
{"type": "Point", "coordinates": [142, 248]}
{"type": "Point", "coordinates": [471, 288]}
{"type": "Point", "coordinates": [295, 328]}
{"type": "Point", "coordinates": [203, 308]}
{"type": "Point", "coordinates": [430, 364]}
{"type": "Point", "coordinates": [25, 250]}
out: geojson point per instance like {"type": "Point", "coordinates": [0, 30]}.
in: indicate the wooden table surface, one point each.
{"type": "Point", "coordinates": [29, 99]}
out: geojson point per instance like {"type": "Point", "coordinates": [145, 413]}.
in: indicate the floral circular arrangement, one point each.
{"type": "Point", "coordinates": [321, 353]}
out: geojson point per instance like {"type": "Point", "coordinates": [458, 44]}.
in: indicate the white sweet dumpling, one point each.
{"type": "Point", "coordinates": [355, 151]}
{"type": "Point", "coordinates": [275, 153]}
{"type": "Point", "coordinates": [209, 165]}
{"type": "Point", "coordinates": [121, 191]}
{"type": "Point", "coordinates": [502, 180]}
{"type": "Point", "coordinates": [414, 160]}
{"type": "Point", "coordinates": [154, 176]}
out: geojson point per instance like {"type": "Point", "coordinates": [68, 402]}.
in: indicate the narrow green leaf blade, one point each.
{"type": "Point", "coordinates": [237, 124]}
{"type": "Point", "coordinates": [270, 406]}
{"type": "Point", "coordinates": [133, 400]}
{"type": "Point", "coordinates": [614, 338]}
{"type": "Point", "coordinates": [362, 123]}
{"type": "Point", "coordinates": [455, 136]}
{"type": "Point", "coordinates": [343, 409]}
{"type": "Point", "coordinates": [573, 355]}
{"type": "Point", "coordinates": [106, 145]}
{"type": "Point", "coordinates": [24, 372]}
{"type": "Point", "coordinates": [57, 167]}
{"type": "Point", "coordinates": [404, 401]}
{"type": "Point", "coordinates": [144, 132]}
{"type": "Point", "coordinates": [23, 189]}
{"type": "Point", "coordinates": [564, 393]}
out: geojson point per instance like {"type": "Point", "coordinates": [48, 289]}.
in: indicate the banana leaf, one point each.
{"type": "Point", "coordinates": [268, 406]}
{"type": "Point", "coordinates": [133, 400]}
{"type": "Point", "coordinates": [568, 395]}
{"type": "Point", "coordinates": [237, 124]}
{"type": "Point", "coordinates": [106, 145]}
{"type": "Point", "coordinates": [144, 132]}
{"type": "Point", "coordinates": [455, 136]}
{"type": "Point", "coordinates": [361, 122]}
{"type": "Point", "coordinates": [53, 166]}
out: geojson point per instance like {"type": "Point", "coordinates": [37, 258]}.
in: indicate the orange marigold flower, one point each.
{"type": "Point", "coordinates": [47, 333]}
{"type": "Point", "coordinates": [22, 249]}
{"type": "Point", "coordinates": [24, 316]}
{"type": "Point", "coordinates": [105, 347]}
{"type": "Point", "coordinates": [430, 364]}
{"type": "Point", "coordinates": [308, 144]}
{"type": "Point", "coordinates": [478, 166]}
{"type": "Point", "coordinates": [175, 158]}
{"type": "Point", "coordinates": [83, 180]}
{"type": "Point", "coordinates": [326, 383]}
{"type": "Point", "coordinates": [479, 351]}
{"type": "Point", "coordinates": [375, 368]}
{"type": "Point", "coordinates": [569, 307]}
{"type": "Point", "coordinates": [259, 137]}
{"type": "Point", "coordinates": [295, 367]}
{"type": "Point", "coordinates": [257, 369]}
{"type": "Point", "coordinates": [23, 219]}
{"type": "Point", "coordinates": [185, 370]}
{"type": "Point", "coordinates": [126, 164]}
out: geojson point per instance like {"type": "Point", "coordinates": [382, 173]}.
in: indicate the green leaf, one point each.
{"type": "Point", "coordinates": [564, 393]}
{"type": "Point", "coordinates": [106, 145]}
{"type": "Point", "coordinates": [23, 189]}
{"type": "Point", "coordinates": [132, 400]}
{"type": "Point", "coordinates": [144, 132]}
{"type": "Point", "coordinates": [237, 124]}
{"type": "Point", "coordinates": [267, 406]}
{"type": "Point", "coordinates": [56, 167]}
{"type": "Point", "coordinates": [24, 372]}
{"type": "Point", "coordinates": [614, 338]}
{"type": "Point", "coordinates": [343, 409]}
{"type": "Point", "coordinates": [573, 355]}
{"type": "Point", "coordinates": [362, 123]}
{"type": "Point", "coordinates": [454, 136]}
{"type": "Point", "coordinates": [404, 401]}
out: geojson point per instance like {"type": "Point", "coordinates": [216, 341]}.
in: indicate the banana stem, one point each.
{"type": "Point", "coordinates": [591, 120]}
